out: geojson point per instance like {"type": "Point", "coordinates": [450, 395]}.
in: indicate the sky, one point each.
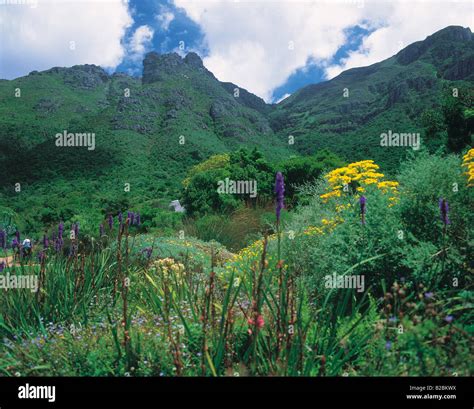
{"type": "Point", "coordinates": [269, 47]}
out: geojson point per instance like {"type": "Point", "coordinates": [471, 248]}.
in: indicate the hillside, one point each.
{"type": "Point", "coordinates": [150, 130]}
{"type": "Point", "coordinates": [389, 95]}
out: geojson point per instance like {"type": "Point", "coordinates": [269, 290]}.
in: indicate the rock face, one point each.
{"type": "Point", "coordinates": [87, 76]}
{"type": "Point", "coordinates": [157, 67]}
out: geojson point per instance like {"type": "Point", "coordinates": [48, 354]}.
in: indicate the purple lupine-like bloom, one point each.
{"type": "Point", "coordinates": [147, 252]}
{"type": "Point", "coordinates": [17, 235]}
{"type": "Point", "coordinates": [15, 242]}
{"type": "Point", "coordinates": [388, 345]}
{"type": "Point", "coordinates": [3, 239]}
{"type": "Point", "coordinates": [101, 230]}
{"type": "Point", "coordinates": [58, 245]}
{"type": "Point", "coordinates": [132, 218]}
{"type": "Point", "coordinates": [138, 219]}
{"type": "Point", "coordinates": [45, 241]}
{"type": "Point", "coordinates": [444, 209]}
{"type": "Point", "coordinates": [76, 229]}
{"type": "Point", "coordinates": [449, 319]}
{"type": "Point", "coordinates": [41, 256]}
{"type": "Point", "coordinates": [110, 220]}
{"type": "Point", "coordinates": [280, 194]}
{"type": "Point", "coordinates": [429, 295]}
{"type": "Point", "coordinates": [60, 230]}
{"type": "Point", "coordinates": [362, 202]}
{"type": "Point", "coordinates": [120, 217]}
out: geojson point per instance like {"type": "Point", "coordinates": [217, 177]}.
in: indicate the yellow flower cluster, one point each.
{"type": "Point", "coordinates": [468, 162]}
{"type": "Point", "coordinates": [252, 251]}
{"type": "Point", "coordinates": [169, 266]}
{"type": "Point", "coordinates": [328, 225]}
{"type": "Point", "coordinates": [362, 173]}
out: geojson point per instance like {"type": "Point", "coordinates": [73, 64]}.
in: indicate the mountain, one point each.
{"type": "Point", "coordinates": [146, 129]}
{"type": "Point", "coordinates": [150, 130]}
{"type": "Point", "coordinates": [389, 95]}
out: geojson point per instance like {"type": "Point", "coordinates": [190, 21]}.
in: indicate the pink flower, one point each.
{"type": "Point", "coordinates": [260, 321]}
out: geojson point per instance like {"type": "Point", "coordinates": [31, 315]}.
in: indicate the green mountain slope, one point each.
{"type": "Point", "coordinates": [149, 131]}
{"type": "Point", "coordinates": [390, 95]}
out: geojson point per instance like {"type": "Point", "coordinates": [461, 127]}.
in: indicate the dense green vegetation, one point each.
{"type": "Point", "coordinates": [130, 304]}
{"type": "Point", "coordinates": [230, 287]}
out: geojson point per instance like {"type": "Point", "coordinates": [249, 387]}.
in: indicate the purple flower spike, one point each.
{"type": "Point", "coordinates": [3, 239]}
{"type": "Point", "coordinates": [429, 295]}
{"type": "Point", "coordinates": [60, 230]}
{"type": "Point", "coordinates": [147, 252]}
{"type": "Point", "coordinates": [138, 221]}
{"type": "Point", "coordinates": [388, 345]}
{"type": "Point", "coordinates": [132, 218]}
{"type": "Point", "coordinates": [120, 217]}
{"type": "Point", "coordinates": [280, 194]}
{"type": "Point", "coordinates": [362, 202]}
{"type": "Point", "coordinates": [17, 235]}
{"type": "Point", "coordinates": [444, 209]}
{"type": "Point", "coordinates": [110, 221]}
{"type": "Point", "coordinates": [45, 241]}
{"type": "Point", "coordinates": [15, 242]}
{"type": "Point", "coordinates": [76, 230]}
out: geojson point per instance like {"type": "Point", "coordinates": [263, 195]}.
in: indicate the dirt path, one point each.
{"type": "Point", "coordinates": [7, 260]}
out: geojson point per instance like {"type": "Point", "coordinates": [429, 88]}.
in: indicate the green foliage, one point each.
{"type": "Point", "coordinates": [458, 135]}
{"type": "Point", "coordinates": [300, 170]}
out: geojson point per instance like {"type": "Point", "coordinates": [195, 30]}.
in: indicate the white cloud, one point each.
{"type": "Point", "coordinates": [405, 23]}
{"type": "Point", "coordinates": [139, 41]}
{"type": "Point", "coordinates": [165, 18]}
{"type": "Point", "coordinates": [282, 98]}
{"type": "Point", "coordinates": [258, 44]}
{"type": "Point", "coordinates": [61, 34]}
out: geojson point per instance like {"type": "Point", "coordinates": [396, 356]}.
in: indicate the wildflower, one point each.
{"type": "Point", "coordinates": [120, 217]}
{"type": "Point", "coordinates": [449, 319]}
{"type": "Point", "coordinates": [60, 230]}
{"type": "Point", "coordinates": [388, 345]}
{"type": "Point", "coordinates": [147, 252]}
{"type": "Point", "coordinates": [280, 194]}
{"type": "Point", "coordinates": [260, 322]}
{"type": "Point", "coordinates": [76, 229]}
{"type": "Point", "coordinates": [132, 218]}
{"type": "Point", "coordinates": [45, 241]}
{"type": "Point", "coordinates": [429, 295]}
{"type": "Point", "coordinates": [444, 209]}
{"type": "Point", "coordinates": [138, 219]}
{"type": "Point", "coordinates": [15, 242]}
{"type": "Point", "coordinates": [17, 235]}
{"type": "Point", "coordinates": [111, 222]}
{"type": "Point", "coordinates": [41, 256]}
{"type": "Point", "coordinates": [3, 239]}
{"type": "Point", "coordinates": [362, 202]}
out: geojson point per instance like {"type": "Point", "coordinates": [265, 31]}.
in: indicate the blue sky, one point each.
{"type": "Point", "coordinates": [271, 48]}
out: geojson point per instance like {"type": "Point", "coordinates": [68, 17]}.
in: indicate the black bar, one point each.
{"type": "Point", "coordinates": [243, 392]}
